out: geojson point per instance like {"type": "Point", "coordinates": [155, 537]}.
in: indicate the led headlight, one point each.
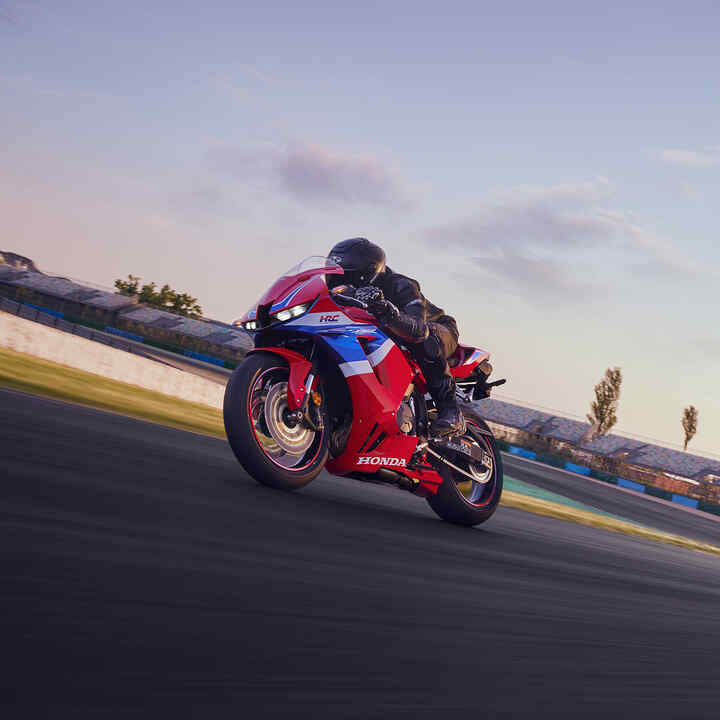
{"type": "Point", "coordinates": [290, 313]}
{"type": "Point", "coordinates": [247, 325]}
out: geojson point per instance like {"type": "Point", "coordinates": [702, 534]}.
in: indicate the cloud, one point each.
{"type": "Point", "coordinates": [710, 346]}
{"type": "Point", "coordinates": [543, 239]}
{"type": "Point", "coordinates": [314, 174]}
{"type": "Point", "coordinates": [555, 217]}
{"type": "Point", "coordinates": [535, 276]}
{"type": "Point", "coordinates": [696, 159]}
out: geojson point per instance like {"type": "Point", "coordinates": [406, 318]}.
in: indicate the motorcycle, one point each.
{"type": "Point", "coordinates": [325, 387]}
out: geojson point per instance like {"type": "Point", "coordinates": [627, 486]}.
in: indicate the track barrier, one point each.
{"type": "Point", "coordinates": [630, 485]}
{"type": "Point", "coordinates": [521, 452]}
{"type": "Point", "coordinates": [579, 469]}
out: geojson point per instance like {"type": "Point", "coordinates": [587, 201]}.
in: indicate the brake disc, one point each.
{"type": "Point", "coordinates": [294, 440]}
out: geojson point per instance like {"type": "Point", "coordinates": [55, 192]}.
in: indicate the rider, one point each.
{"type": "Point", "coordinates": [408, 316]}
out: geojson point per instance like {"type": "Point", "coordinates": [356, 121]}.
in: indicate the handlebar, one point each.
{"type": "Point", "coordinates": [496, 383]}
{"type": "Point", "coordinates": [347, 300]}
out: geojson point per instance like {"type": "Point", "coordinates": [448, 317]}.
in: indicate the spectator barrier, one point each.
{"type": "Point", "coordinates": [630, 485]}
{"type": "Point", "coordinates": [579, 469]}
{"type": "Point", "coordinates": [204, 358]}
{"type": "Point", "coordinates": [521, 452]}
{"type": "Point", "coordinates": [124, 333]}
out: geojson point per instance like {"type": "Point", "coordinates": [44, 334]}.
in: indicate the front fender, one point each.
{"type": "Point", "coordinates": [300, 368]}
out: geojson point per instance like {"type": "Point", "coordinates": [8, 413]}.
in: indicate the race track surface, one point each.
{"type": "Point", "coordinates": [643, 509]}
{"type": "Point", "coordinates": [145, 575]}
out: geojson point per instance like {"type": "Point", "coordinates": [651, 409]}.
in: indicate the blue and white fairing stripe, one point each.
{"type": "Point", "coordinates": [289, 298]}
{"type": "Point", "coordinates": [252, 314]}
{"type": "Point", "coordinates": [379, 350]}
{"type": "Point", "coordinates": [340, 333]}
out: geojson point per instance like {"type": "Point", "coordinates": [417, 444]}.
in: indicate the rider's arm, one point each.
{"type": "Point", "coordinates": [408, 321]}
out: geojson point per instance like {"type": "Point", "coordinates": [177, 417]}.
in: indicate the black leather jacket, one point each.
{"type": "Point", "coordinates": [410, 324]}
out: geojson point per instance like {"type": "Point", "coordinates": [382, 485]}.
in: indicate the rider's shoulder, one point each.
{"type": "Point", "coordinates": [403, 287]}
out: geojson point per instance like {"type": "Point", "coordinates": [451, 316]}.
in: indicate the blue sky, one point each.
{"type": "Point", "coordinates": [548, 171]}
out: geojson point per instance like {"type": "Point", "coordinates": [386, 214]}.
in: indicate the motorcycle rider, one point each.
{"type": "Point", "coordinates": [402, 310]}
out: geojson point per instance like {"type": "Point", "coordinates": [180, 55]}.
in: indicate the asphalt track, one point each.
{"type": "Point", "coordinates": [145, 575]}
{"type": "Point", "coordinates": [643, 509]}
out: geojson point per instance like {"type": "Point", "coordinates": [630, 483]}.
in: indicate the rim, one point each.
{"type": "Point", "coordinates": [480, 490]}
{"type": "Point", "coordinates": [291, 446]}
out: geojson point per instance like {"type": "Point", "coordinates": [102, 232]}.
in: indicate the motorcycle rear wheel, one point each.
{"type": "Point", "coordinates": [282, 455]}
{"type": "Point", "coordinates": [463, 501]}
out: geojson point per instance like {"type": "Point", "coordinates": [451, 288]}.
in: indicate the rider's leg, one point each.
{"type": "Point", "coordinates": [432, 357]}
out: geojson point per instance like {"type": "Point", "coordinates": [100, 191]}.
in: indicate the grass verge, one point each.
{"type": "Point", "coordinates": [40, 377]}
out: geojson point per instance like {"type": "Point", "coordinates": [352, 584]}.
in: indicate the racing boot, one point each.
{"type": "Point", "coordinates": [450, 420]}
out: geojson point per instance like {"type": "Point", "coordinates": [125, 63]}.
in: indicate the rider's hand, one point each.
{"type": "Point", "coordinates": [375, 300]}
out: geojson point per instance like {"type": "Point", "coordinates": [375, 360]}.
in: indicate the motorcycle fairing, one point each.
{"type": "Point", "coordinates": [377, 373]}
{"type": "Point", "coordinates": [289, 291]}
{"type": "Point", "coordinates": [465, 360]}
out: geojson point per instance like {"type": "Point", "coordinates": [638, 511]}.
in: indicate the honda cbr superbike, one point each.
{"type": "Point", "coordinates": [325, 387]}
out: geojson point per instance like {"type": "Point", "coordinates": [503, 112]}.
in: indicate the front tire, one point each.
{"type": "Point", "coordinates": [462, 501]}
{"type": "Point", "coordinates": [276, 453]}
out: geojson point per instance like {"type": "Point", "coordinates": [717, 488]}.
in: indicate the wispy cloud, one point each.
{"type": "Point", "coordinates": [708, 157]}
{"type": "Point", "coordinates": [314, 174]}
{"type": "Point", "coordinates": [537, 238]}
{"type": "Point", "coordinates": [710, 346]}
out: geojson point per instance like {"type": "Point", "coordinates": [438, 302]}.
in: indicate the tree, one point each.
{"type": "Point", "coordinates": [166, 298]}
{"type": "Point", "coordinates": [603, 409]}
{"type": "Point", "coordinates": [689, 423]}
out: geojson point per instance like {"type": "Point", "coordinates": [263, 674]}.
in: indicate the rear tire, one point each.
{"type": "Point", "coordinates": [460, 507]}
{"type": "Point", "coordinates": [252, 442]}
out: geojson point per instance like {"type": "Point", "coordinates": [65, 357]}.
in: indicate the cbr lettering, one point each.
{"type": "Point", "coordinates": [370, 460]}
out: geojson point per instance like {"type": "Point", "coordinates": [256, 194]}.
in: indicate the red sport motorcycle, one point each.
{"type": "Point", "coordinates": [325, 387]}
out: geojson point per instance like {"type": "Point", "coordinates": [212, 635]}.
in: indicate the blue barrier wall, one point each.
{"type": "Point", "coordinates": [683, 500]}
{"type": "Point", "coordinates": [204, 358]}
{"type": "Point", "coordinates": [123, 333]}
{"type": "Point", "coordinates": [55, 313]}
{"type": "Point", "coordinates": [513, 450]}
{"type": "Point", "coordinates": [579, 469]}
{"type": "Point", "coordinates": [630, 485]}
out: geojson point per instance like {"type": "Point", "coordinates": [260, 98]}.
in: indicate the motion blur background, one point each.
{"type": "Point", "coordinates": [548, 171]}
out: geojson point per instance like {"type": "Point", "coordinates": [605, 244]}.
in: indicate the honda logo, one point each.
{"type": "Point", "coordinates": [375, 460]}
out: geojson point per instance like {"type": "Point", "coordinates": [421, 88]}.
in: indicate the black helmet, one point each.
{"type": "Point", "coordinates": [361, 260]}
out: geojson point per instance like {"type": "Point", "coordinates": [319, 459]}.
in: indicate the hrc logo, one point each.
{"type": "Point", "coordinates": [329, 318]}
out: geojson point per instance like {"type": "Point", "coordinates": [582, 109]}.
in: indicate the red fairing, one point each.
{"type": "Point", "coordinates": [308, 284]}
{"type": "Point", "coordinates": [376, 394]}
{"type": "Point", "coordinates": [469, 358]}
{"type": "Point", "coordinates": [299, 369]}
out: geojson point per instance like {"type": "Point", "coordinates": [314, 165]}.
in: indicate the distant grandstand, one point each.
{"type": "Point", "coordinates": [21, 281]}
{"type": "Point", "coordinates": [644, 461]}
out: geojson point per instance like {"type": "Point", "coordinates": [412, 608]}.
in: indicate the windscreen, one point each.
{"type": "Point", "coordinates": [314, 262]}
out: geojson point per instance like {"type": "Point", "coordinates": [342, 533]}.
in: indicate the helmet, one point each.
{"type": "Point", "coordinates": [361, 260]}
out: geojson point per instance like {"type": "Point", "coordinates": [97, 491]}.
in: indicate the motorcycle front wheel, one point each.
{"type": "Point", "coordinates": [267, 440]}
{"type": "Point", "coordinates": [472, 500]}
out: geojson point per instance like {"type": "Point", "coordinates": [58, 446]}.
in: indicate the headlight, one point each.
{"type": "Point", "coordinates": [290, 313]}
{"type": "Point", "coordinates": [247, 325]}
